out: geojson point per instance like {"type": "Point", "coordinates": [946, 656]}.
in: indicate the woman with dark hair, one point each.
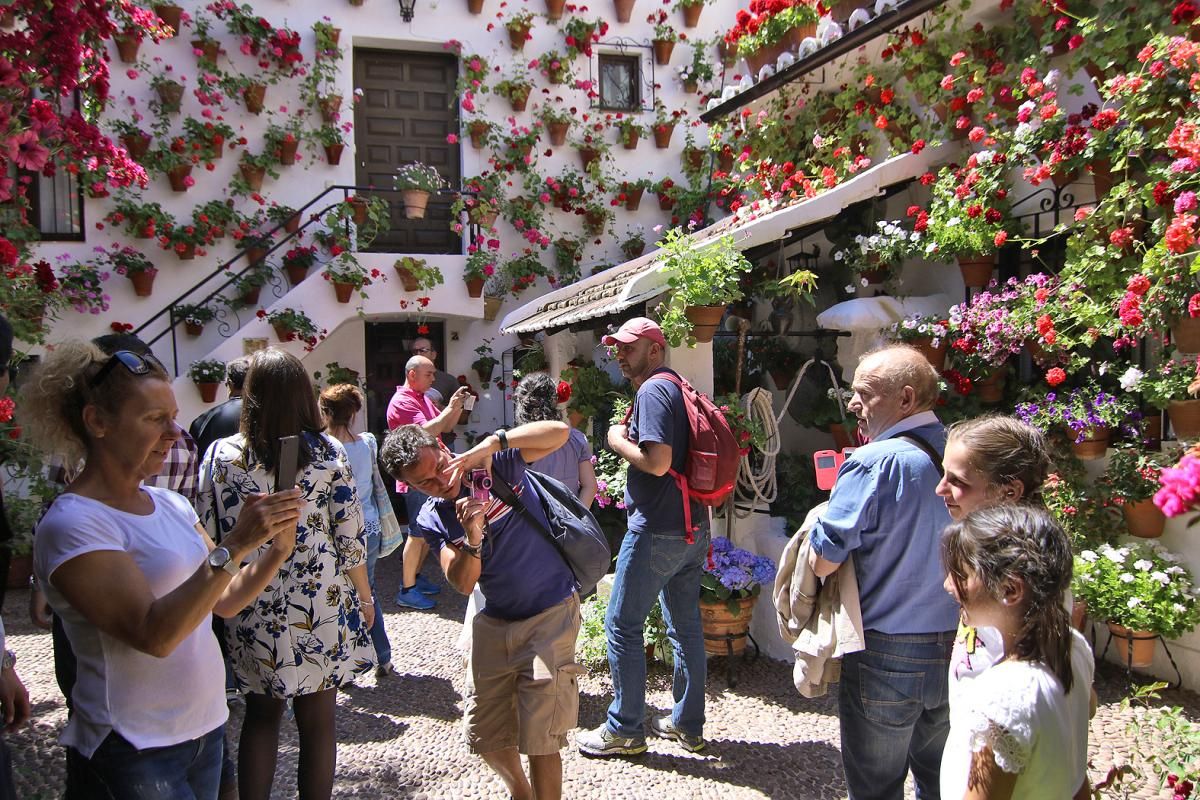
{"type": "Point", "coordinates": [307, 632]}
{"type": "Point", "coordinates": [536, 400]}
{"type": "Point", "coordinates": [135, 578]}
{"type": "Point", "coordinates": [340, 405]}
{"type": "Point", "coordinates": [1019, 728]}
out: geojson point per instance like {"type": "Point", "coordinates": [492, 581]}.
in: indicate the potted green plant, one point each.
{"type": "Point", "coordinates": [248, 285]}
{"type": "Point", "coordinates": [634, 244]}
{"type": "Point", "coordinates": [702, 282]}
{"type": "Point", "coordinates": [208, 137]}
{"type": "Point", "coordinates": [194, 317]}
{"type": "Point", "coordinates": [557, 120]}
{"type": "Point", "coordinates": [1142, 591]}
{"type": "Point", "coordinates": [348, 275]}
{"type": "Point", "coordinates": [731, 583]}
{"type": "Point", "coordinates": [329, 136]}
{"type": "Point", "coordinates": [928, 333]}
{"type": "Point", "coordinates": [518, 26]}
{"type": "Point", "coordinates": [283, 141]}
{"type": "Point", "coordinates": [142, 220]}
{"type": "Point", "coordinates": [481, 265]}
{"type": "Point", "coordinates": [298, 261]}
{"type": "Point", "coordinates": [691, 11]}
{"type": "Point", "coordinates": [1168, 387]}
{"type": "Point", "coordinates": [590, 389]}
{"type": "Point", "coordinates": [207, 374]}
{"type": "Point", "coordinates": [699, 71]}
{"type": "Point", "coordinates": [252, 169]}
{"type": "Point", "coordinates": [417, 275]}
{"type": "Point", "coordinates": [485, 361]}
{"type": "Point", "coordinates": [630, 131]}
{"type": "Point", "coordinates": [664, 38]}
{"type": "Point", "coordinates": [216, 218]}
{"type": "Point", "coordinates": [530, 358]}
{"type": "Point", "coordinates": [416, 182]}
{"type": "Point", "coordinates": [133, 265]}
{"type": "Point", "coordinates": [1132, 478]}
{"type": "Point", "coordinates": [284, 215]}
{"type": "Point", "coordinates": [969, 216]}
{"type": "Point", "coordinates": [290, 325]}
{"type": "Point", "coordinates": [515, 88]}
{"type": "Point", "coordinates": [632, 191]}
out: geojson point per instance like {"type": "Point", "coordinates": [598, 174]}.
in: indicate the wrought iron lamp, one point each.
{"type": "Point", "coordinates": [406, 9]}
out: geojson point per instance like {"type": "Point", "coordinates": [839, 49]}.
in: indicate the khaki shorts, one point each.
{"type": "Point", "coordinates": [522, 688]}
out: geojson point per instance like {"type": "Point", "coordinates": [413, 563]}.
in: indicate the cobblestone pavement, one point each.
{"type": "Point", "coordinates": [403, 738]}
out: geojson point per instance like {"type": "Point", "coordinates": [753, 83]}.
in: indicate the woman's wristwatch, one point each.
{"type": "Point", "coordinates": [9, 661]}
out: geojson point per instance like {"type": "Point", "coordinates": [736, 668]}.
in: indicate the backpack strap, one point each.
{"type": "Point", "coordinates": [921, 444]}
{"type": "Point", "coordinates": [508, 496]}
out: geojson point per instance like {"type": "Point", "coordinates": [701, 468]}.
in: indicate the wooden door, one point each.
{"type": "Point", "coordinates": [406, 111]}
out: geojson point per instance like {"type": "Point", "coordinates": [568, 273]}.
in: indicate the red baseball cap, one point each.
{"type": "Point", "coordinates": [638, 327]}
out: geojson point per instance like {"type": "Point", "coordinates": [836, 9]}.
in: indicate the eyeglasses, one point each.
{"type": "Point", "coordinates": [419, 350]}
{"type": "Point", "coordinates": [136, 364]}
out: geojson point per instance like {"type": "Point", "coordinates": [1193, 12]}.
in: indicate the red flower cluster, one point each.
{"type": "Point", "coordinates": [749, 22]}
{"type": "Point", "coordinates": [563, 391]}
{"type": "Point", "coordinates": [1055, 376]}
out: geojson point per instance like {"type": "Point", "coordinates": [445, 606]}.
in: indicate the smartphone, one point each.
{"type": "Point", "coordinates": [288, 463]}
{"type": "Point", "coordinates": [469, 402]}
{"type": "Point", "coordinates": [481, 485]}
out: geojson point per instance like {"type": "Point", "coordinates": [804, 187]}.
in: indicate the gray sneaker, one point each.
{"type": "Point", "coordinates": [662, 727]}
{"type": "Point", "coordinates": [602, 742]}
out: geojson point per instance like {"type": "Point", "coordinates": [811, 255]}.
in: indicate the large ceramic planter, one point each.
{"type": "Point", "coordinates": [704, 320]}
{"type": "Point", "coordinates": [208, 390]}
{"type": "Point", "coordinates": [1135, 648]}
{"type": "Point", "coordinates": [415, 202]}
{"type": "Point", "coordinates": [976, 270]}
{"type": "Point", "coordinates": [1094, 443]}
{"type": "Point", "coordinates": [1185, 335]}
{"type": "Point", "coordinates": [143, 283]}
{"type": "Point", "coordinates": [724, 631]}
{"type": "Point", "coordinates": [1185, 418]}
{"type": "Point", "coordinates": [1144, 519]}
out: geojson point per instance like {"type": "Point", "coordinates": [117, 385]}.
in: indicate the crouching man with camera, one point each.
{"type": "Point", "coordinates": [521, 694]}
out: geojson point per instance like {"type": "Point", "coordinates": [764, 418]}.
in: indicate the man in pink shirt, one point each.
{"type": "Point", "coordinates": [410, 406]}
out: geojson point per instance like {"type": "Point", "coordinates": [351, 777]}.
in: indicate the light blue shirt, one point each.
{"type": "Point", "coordinates": [884, 510]}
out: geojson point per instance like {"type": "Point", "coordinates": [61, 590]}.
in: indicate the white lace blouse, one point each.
{"type": "Point", "coordinates": [1019, 710]}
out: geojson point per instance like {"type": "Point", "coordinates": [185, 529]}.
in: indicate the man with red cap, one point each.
{"type": "Point", "coordinates": [658, 557]}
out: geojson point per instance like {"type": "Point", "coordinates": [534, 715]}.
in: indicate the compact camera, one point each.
{"type": "Point", "coordinates": [481, 485]}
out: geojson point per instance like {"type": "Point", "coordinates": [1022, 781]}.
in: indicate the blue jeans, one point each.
{"type": "Point", "coordinates": [186, 771]}
{"type": "Point", "coordinates": [650, 565]}
{"type": "Point", "coordinates": [894, 708]}
{"type": "Point", "coordinates": [379, 637]}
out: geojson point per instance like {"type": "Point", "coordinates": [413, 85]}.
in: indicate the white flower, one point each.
{"type": "Point", "coordinates": [1089, 556]}
{"type": "Point", "coordinates": [850, 288]}
{"type": "Point", "coordinates": [818, 141]}
{"type": "Point", "coordinates": [1129, 380]}
{"type": "Point", "coordinates": [952, 222]}
{"type": "Point", "coordinates": [839, 255]}
{"type": "Point", "coordinates": [865, 282]}
{"type": "Point", "coordinates": [1126, 577]}
{"type": "Point", "coordinates": [1142, 564]}
{"type": "Point", "coordinates": [1134, 602]}
{"type": "Point", "coordinates": [1052, 77]}
{"type": "Point", "coordinates": [1161, 577]}
{"type": "Point", "coordinates": [1115, 556]}
{"type": "Point", "coordinates": [1180, 608]}
{"type": "Point", "coordinates": [1176, 570]}
{"type": "Point", "coordinates": [1169, 556]}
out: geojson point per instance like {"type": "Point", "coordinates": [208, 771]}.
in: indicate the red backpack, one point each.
{"type": "Point", "coordinates": [713, 453]}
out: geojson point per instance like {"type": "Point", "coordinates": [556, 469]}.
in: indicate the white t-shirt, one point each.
{"type": "Point", "coordinates": [152, 702]}
{"type": "Point", "coordinates": [1035, 731]}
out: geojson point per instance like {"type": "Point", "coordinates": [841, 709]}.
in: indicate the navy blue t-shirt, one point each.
{"type": "Point", "coordinates": [655, 502]}
{"type": "Point", "coordinates": [522, 573]}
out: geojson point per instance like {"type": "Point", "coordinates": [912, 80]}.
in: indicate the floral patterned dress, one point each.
{"type": "Point", "coordinates": [305, 632]}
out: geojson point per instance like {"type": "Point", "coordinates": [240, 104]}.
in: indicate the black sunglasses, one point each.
{"type": "Point", "coordinates": [136, 364]}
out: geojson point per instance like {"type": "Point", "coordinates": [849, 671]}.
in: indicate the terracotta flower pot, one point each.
{"type": "Point", "coordinates": [292, 224]}
{"type": "Point", "coordinates": [693, 159]}
{"type": "Point", "coordinates": [588, 155]}
{"type": "Point", "coordinates": [170, 14]}
{"type": "Point", "coordinates": [296, 273]}
{"type": "Point", "coordinates": [518, 101]}
{"type": "Point", "coordinates": [128, 45]}
{"type": "Point", "coordinates": [410, 282]}
{"type": "Point", "coordinates": [517, 37]}
{"type": "Point", "coordinates": [1136, 648]}
{"type": "Point", "coordinates": [250, 296]}
{"type": "Point", "coordinates": [343, 291]}
{"type": "Point", "coordinates": [666, 202]}
{"type": "Point", "coordinates": [283, 333]}
{"type": "Point", "coordinates": [704, 320]}
{"type": "Point", "coordinates": [287, 152]}
{"type": "Point", "coordinates": [333, 153]}
{"type": "Point", "coordinates": [210, 49]}
{"type": "Point", "coordinates": [359, 209]}
{"type": "Point", "coordinates": [208, 391]}
{"type": "Point", "coordinates": [725, 161]}
{"type": "Point", "coordinates": [170, 94]}
{"type": "Point", "coordinates": [255, 254]}
{"type": "Point", "coordinates": [330, 106]}
{"type": "Point", "coordinates": [662, 135]}
{"type": "Point", "coordinates": [691, 15]}
{"type": "Point", "coordinates": [143, 283]}
{"type": "Point", "coordinates": [217, 145]}
{"type": "Point", "coordinates": [254, 96]}
{"type": "Point", "coordinates": [558, 133]}
{"type": "Point", "coordinates": [690, 87]}
{"type": "Point", "coordinates": [185, 253]}
{"type": "Point", "coordinates": [193, 328]}
{"type": "Point", "coordinates": [178, 177]}
{"type": "Point", "coordinates": [491, 308]}
{"type": "Point", "coordinates": [1102, 177]}
{"type": "Point", "coordinates": [724, 632]}
{"type": "Point", "coordinates": [554, 9]}
{"type": "Point", "coordinates": [662, 51]}
{"type": "Point", "coordinates": [633, 198]}
{"type": "Point", "coordinates": [1094, 443]}
{"type": "Point", "coordinates": [593, 223]}
{"type": "Point", "coordinates": [1185, 418]}
{"type": "Point", "coordinates": [976, 270]}
{"type": "Point", "coordinates": [1144, 519]}
{"type": "Point", "coordinates": [415, 203]}
{"type": "Point", "coordinates": [483, 220]}
{"type": "Point", "coordinates": [252, 175]}
{"type": "Point", "coordinates": [477, 130]}
{"type": "Point", "coordinates": [1078, 613]}
{"type": "Point", "coordinates": [137, 145]}
{"type": "Point", "coordinates": [20, 569]}
{"type": "Point", "coordinates": [1185, 334]}
{"type": "Point", "coordinates": [936, 356]}
{"type": "Point", "coordinates": [624, 9]}
{"type": "Point", "coordinates": [475, 287]}
{"type": "Point", "coordinates": [633, 251]}
{"type": "Point", "coordinates": [475, 6]}
{"type": "Point", "coordinates": [991, 388]}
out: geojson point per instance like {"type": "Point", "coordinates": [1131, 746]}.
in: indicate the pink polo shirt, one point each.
{"type": "Point", "coordinates": [409, 408]}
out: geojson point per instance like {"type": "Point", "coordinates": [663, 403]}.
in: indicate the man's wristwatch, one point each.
{"type": "Point", "coordinates": [9, 661]}
{"type": "Point", "coordinates": [221, 558]}
{"type": "Point", "coordinates": [502, 437]}
{"type": "Point", "coordinates": [472, 549]}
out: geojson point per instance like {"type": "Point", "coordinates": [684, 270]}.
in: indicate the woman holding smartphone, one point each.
{"type": "Point", "coordinates": [308, 630]}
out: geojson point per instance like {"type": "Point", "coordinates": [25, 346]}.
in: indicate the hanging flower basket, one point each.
{"type": "Point", "coordinates": [588, 155]}
{"type": "Point", "coordinates": [193, 328]}
{"type": "Point", "coordinates": [170, 94]}
{"type": "Point", "coordinates": [208, 391]}
{"type": "Point", "coordinates": [691, 15]}
{"type": "Point", "coordinates": [333, 153]}
{"type": "Point", "coordinates": [475, 288]}
{"type": "Point", "coordinates": [662, 51]}
{"type": "Point", "coordinates": [1135, 648]}
{"type": "Point", "coordinates": [624, 9]}
{"type": "Point", "coordinates": [976, 270]}
{"type": "Point", "coordinates": [209, 49]}
{"type": "Point", "coordinates": [936, 356]}
{"type": "Point", "coordinates": [725, 632]}
{"type": "Point", "coordinates": [517, 36]}
{"type": "Point", "coordinates": [554, 9]}
{"type": "Point", "coordinates": [329, 106]}
{"type": "Point", "coordinates": [170, 14]}
{"type": "Point", "coordinates": [1185, 418]}
{"type": "Point", "coordinates": [343, 291]}
{"type": "Point", "coordinates": [1144, 519]}
{"type": "Point", "coordinates": [1094, 443]}
{"type": "Point", "coordinates": [254, 96]}
{"type": "Point", "coordinates": [1185, 334]}
{"type": "Point", "coordinates": [473, 6]}
{"type": "Point", "coordinates": [415, 203]}
{"type": "Point", "coordinates": [296, 273]}
{"type": "Point", "coordinates": [704, 320]}
{"type": "Point", "coordinates": [252, 175]}
{"type": "Point", "coordinates": [477, 130]}
{"type": "Point", "coordinates": [179, 177]}
{"type": "Point", "coordinates": [662, 135]}
{"type": "Point", "coordinates": [558, 133]}
{"type": "Point", "coordinates": [137, 144]}
{"type": "Point", "coordinates": [128, 44]}
{"type": "Point", "coordinates": [633, 198]}
{"type": "Point", "coordinates": [143, 282]}
{"type": "Point", "coordinates": [407, 279]}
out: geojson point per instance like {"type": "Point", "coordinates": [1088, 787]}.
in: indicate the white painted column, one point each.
{"type": "Point", "coordinates": [695, 364]}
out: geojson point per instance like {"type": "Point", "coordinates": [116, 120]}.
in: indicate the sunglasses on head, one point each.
{"type": "Point", "coordinates": [136, 363]}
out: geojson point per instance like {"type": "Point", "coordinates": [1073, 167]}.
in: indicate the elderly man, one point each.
{"type": "Point", "coordinates": [444, 383]}
{"type": "Point", "coordinates": [893, 696]}
{"type": "Point", "coordinates": [521, 694]}
{"type": "Point", "coordinates": [410, 406]}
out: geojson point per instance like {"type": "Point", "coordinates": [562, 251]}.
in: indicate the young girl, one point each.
{"type": "Point", "coordinates": [1019, 727]}
{"type": "Point", "coordinates": [991, 460]}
